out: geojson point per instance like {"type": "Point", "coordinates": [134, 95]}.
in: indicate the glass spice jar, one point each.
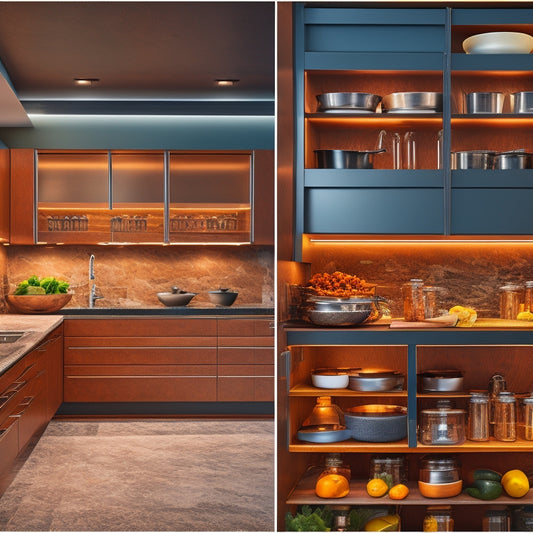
{"type": "Point", "coordinates": [413, 300]}
{"type": "Point", "coordinates": [527, 418]}
{"type": "Point", "coordinates": [528, 296]}
{"type": "Point", "coordinates": [333, 464]}
{"type": "Point", "coordinates": [392, 468]}
{"type": "Point", "coordinates": [438, 518]}
{"type": "Point", "coordinates": [510, 296]}
{"type": "Point", "coordinates": [505, 417]}
{"type": "Point", "coordinates": [478, 416]}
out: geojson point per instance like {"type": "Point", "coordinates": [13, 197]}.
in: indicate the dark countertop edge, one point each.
{"type": "Point", "coordinates": [168, 311]}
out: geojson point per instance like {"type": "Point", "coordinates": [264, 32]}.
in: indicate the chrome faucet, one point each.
{"type": "Point", "coordinates": [92, 294]}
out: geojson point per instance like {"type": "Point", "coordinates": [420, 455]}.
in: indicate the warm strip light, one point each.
{"type": "Point", "coordinates": [420, 241]}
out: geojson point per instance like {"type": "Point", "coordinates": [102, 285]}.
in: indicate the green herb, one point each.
{"type": "Point", "coordinates": [50, 285]}
{"type": "Point", "coordinates": [307, 519]}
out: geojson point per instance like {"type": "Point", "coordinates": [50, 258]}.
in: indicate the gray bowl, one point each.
{"type": "Point", "coordinates": [223, 297]}
{"type": "Point", "coordinates": [377, 423]}
{"type": "Point", "coordinates": [175, 298]}
{"type": "Point", "coordinates": [362, 102]}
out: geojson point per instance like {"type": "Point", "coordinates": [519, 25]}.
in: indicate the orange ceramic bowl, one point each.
{"type": "Point", "coordinates": [440, 490]}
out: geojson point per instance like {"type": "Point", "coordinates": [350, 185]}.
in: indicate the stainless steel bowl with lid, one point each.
{"type": "Point", "coordinates": [348, 102]}
{"type": "Point", "coordinates": [412, 102]}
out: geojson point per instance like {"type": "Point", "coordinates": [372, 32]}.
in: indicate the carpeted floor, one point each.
{"type": "Point", "coordinates": [149, 475]}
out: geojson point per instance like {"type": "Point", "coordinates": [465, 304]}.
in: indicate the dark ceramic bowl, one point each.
{"type": "Point", "coordinates": [223, 297]}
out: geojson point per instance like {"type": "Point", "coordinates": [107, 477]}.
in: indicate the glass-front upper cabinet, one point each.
{"type": "Point", "coordinates": [210, 197]}
{"type": "Point", "coordinates": [73, 197]}
{"type": "Point", "coordinates": [138, 196]}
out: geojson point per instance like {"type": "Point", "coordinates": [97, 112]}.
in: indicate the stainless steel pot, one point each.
{"type": "Point", "coordinates": [412, 102]}
{"type": "Point", "coordinates": [439, 469]}
{"type": "Point", "coordinates": [513, 160]}
{"type": "Point", "coordinates": [358, 102]}
{"type": "Point", "coordinates": [441, 381]}
{"type": "Point", "coordinates": [480, 159]}
{"type": "Point", "coordinates": [346, 158]}
{"type": "Point", "coordinates": [521, 102]}
{"type": "Point", "coordinates": [377, 423]}
{"type": "Point", "coordinates": [490, 102]}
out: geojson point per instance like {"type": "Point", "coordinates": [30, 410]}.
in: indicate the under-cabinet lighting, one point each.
{"type": "Point", "coordinates": [86, 82]}
{"type": "Point", "coordinates": [226, 82]}
{"type": "Point", "coordinates": [420, 241]}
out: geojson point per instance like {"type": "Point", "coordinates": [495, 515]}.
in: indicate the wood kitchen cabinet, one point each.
{"type": "Point", "coordinates": [245, 360]}
{"type": "Point", "coordinates": [30, 394]}
{"type": "Point", "coordinates": [145, 196]}
{"type": "Point", "coordinates": [169, 360]}
{"type": "Point", "coordinates": [140, 360]}
{"type": "Point", "coordinates": [5, 194]}
{"type": "Point", "coordinates": [479, 353]}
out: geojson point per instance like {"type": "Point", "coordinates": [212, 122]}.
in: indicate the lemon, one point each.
{"type": "Point", "coordinates": [515, 483]}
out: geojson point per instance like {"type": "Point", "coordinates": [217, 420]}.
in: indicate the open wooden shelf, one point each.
{"type": "Point", "coordinates": [304, 494]}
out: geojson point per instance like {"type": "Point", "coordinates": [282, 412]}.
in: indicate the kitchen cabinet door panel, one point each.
{"type": "Point", "coordinates": [245, 389]}
{"type": "Point", "coordinates": [371, 211]}
{"type": "Point", "coordinates": [245, 327]}
{"type": "Point", "coordinates": [246, 370]}
{"type": "Point", "coordinates": [144, 327]}
{"type": "Point", "coordinates": [5, 196]}
{"type": "Point", "coordinates": [32, 414]}
{"type": "Point", "coordinates": [9, 444]}
{"type": "Point", "coordinates": [140, 389]}
{"type": "Point", "coordinates": [141, 356]}
{"type": "Point", "coordinates": [22, 196]}
{"type": "Point", "coordinates": [245, 356]}
{"type": "Point", "coordinates": [141, 342]}
{"type": "Point", "coordinates": [491, 211]}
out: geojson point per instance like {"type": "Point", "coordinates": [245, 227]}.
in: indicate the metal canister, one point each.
{"type": "Point", "coordinates": [413, 300]}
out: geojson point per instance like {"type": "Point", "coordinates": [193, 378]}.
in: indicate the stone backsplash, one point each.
{"type": "Point", "coordinates": [469, 274]}
{"type": "Point", "coordinates": [130, 276]}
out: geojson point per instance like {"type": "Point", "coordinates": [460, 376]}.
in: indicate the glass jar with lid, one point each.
{"type": "Point", "coordinates": [438, 518]}
{"type": "Point", "coordinates": [391, 468]}
{"type": "Point", "coordinates": [334, 464]}
{"type": "Point", "coordinates": [505, 417]}
{"type": "Point", "coordinates": [526, 420]}
{"type": "Point", "coordinates": [510, 299]}
{"type": "Point", "coordinates": [478, 416]}
{"type": "Point", "coordinates": [442, 425]}
{"type": "Point", "coordinates": [413, 300]}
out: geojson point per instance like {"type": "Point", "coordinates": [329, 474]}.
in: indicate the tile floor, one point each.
{"type": "Point", "coordinates": [147, 475]}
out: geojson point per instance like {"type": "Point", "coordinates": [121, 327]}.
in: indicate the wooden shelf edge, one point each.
{"type": "Point", "coordinates": [304, 494]}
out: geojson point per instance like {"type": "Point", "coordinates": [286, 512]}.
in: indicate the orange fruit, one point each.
{"type": "Point", "coordinates": [515, 483]}
{"type": "Point", "coordinates": [332, 486]}
{"type": "Point", "coordinates": [377, 488]}
{"type": "Point", "coordinates": [398, 492]}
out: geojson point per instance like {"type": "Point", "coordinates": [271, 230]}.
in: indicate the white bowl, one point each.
{"type": "Point", "coordinates": [330, 380]}
{"type": "Point", "coordinates": [499, 42]}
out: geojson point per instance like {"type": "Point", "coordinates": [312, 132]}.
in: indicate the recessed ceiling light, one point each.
{"type": "Point", "coordinates": [86, 82]}
{"type": "Point", "coordinates": [226, 83]}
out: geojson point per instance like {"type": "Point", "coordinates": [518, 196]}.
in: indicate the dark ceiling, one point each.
{"type": "Point", "coordinates": [138, 50]}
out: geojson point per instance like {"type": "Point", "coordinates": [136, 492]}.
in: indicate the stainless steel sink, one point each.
{"type": "Point", "coordinates": [10, 336]}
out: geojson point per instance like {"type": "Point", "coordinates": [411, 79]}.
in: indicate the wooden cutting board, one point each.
{"type": "Point", "coordinates": [480, 323]}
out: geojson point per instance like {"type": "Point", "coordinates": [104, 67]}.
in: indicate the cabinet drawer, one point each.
{"type": "Point", "coordinates": [245, 389]}
{"type": "Point", "coordinates": [245, 356]}
{"type": "Point", "coordinates": [32, 415]}
{"type": "Point", "coordinates": [143, 327]}
{"type": "Point", "coordinates": [246, 370]}
{"type": "Point", "coordinates": [131, 355]}
{"type": "Point", "coordinates": [404, 210]}
{"type": "Point", "coordinates": [140, 370]}
{"type": "Point", "coordinates": [244, 342]}
{"type": "Point", "coordinates": [245, 327]}
{"type": "Point", "coordinates": [491, 211]}
{"type": "Point", "coordinates": [140, 389]}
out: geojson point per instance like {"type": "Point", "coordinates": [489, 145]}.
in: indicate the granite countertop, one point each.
{"type": "Point", "coordinates": [186, 310]}
{"type": "Point", "coordinates": [34, 328]}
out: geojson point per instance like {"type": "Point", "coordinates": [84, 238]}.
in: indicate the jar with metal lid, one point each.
{"type": "Point", "coordinates": [391, 468]}
{"type": "Point", "coordinates": [522, 518]}
{"type": "Point", "coordinates": [497, 384]}
{"type": "Point", "coordinates": [510, 297]}
{"type": "Point", "coordinates": [333, 464]}
{"type": "Point", "coordinates": [527, 418]}
{"type": "Point", "coordinates": [496, 520]}
{"type": "Point", "coordinates": [505, 417]}
{"type": "Point", "coordinates": [442, 425]}
{"type": "Point", "coordinates": [438, 518]}
{"type": "Point", "coordinates": [413, 300]}
{"type": "Point", "coordinates": [478, 416]}
{"type": "Point", "coordinates": [430, 301]}
{"type": "Point", "coordinates": [439, 469]}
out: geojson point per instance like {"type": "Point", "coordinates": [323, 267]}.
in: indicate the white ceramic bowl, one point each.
{"type": "Point", "coordinates": [499, 42]}
{"type": "Point", "coordinates": [330, 380]}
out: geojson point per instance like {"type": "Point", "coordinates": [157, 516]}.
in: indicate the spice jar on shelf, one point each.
{"type": "Point", "coordinates": [478, 416]}
{"type": "Point", "coordinates": [510, 298]}
{"type": "Point", "coordinates": [392, 468]}
{"type": "Point", "coordinates": [438, 518]}
{"type": "Point", "coordinates": [333, 464]}
{"type": "Point", "coordinates": [505, 417]}
{"type": "Point", "coordinates": [526, 420]}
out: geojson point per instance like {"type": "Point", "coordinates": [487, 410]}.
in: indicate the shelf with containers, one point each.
{"type": "Point", "coordinates": [477, 352]}
{"type": "Point", "coordinates": [143, 196]}
{"type": "Point", "coordinates": [344, 50]}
